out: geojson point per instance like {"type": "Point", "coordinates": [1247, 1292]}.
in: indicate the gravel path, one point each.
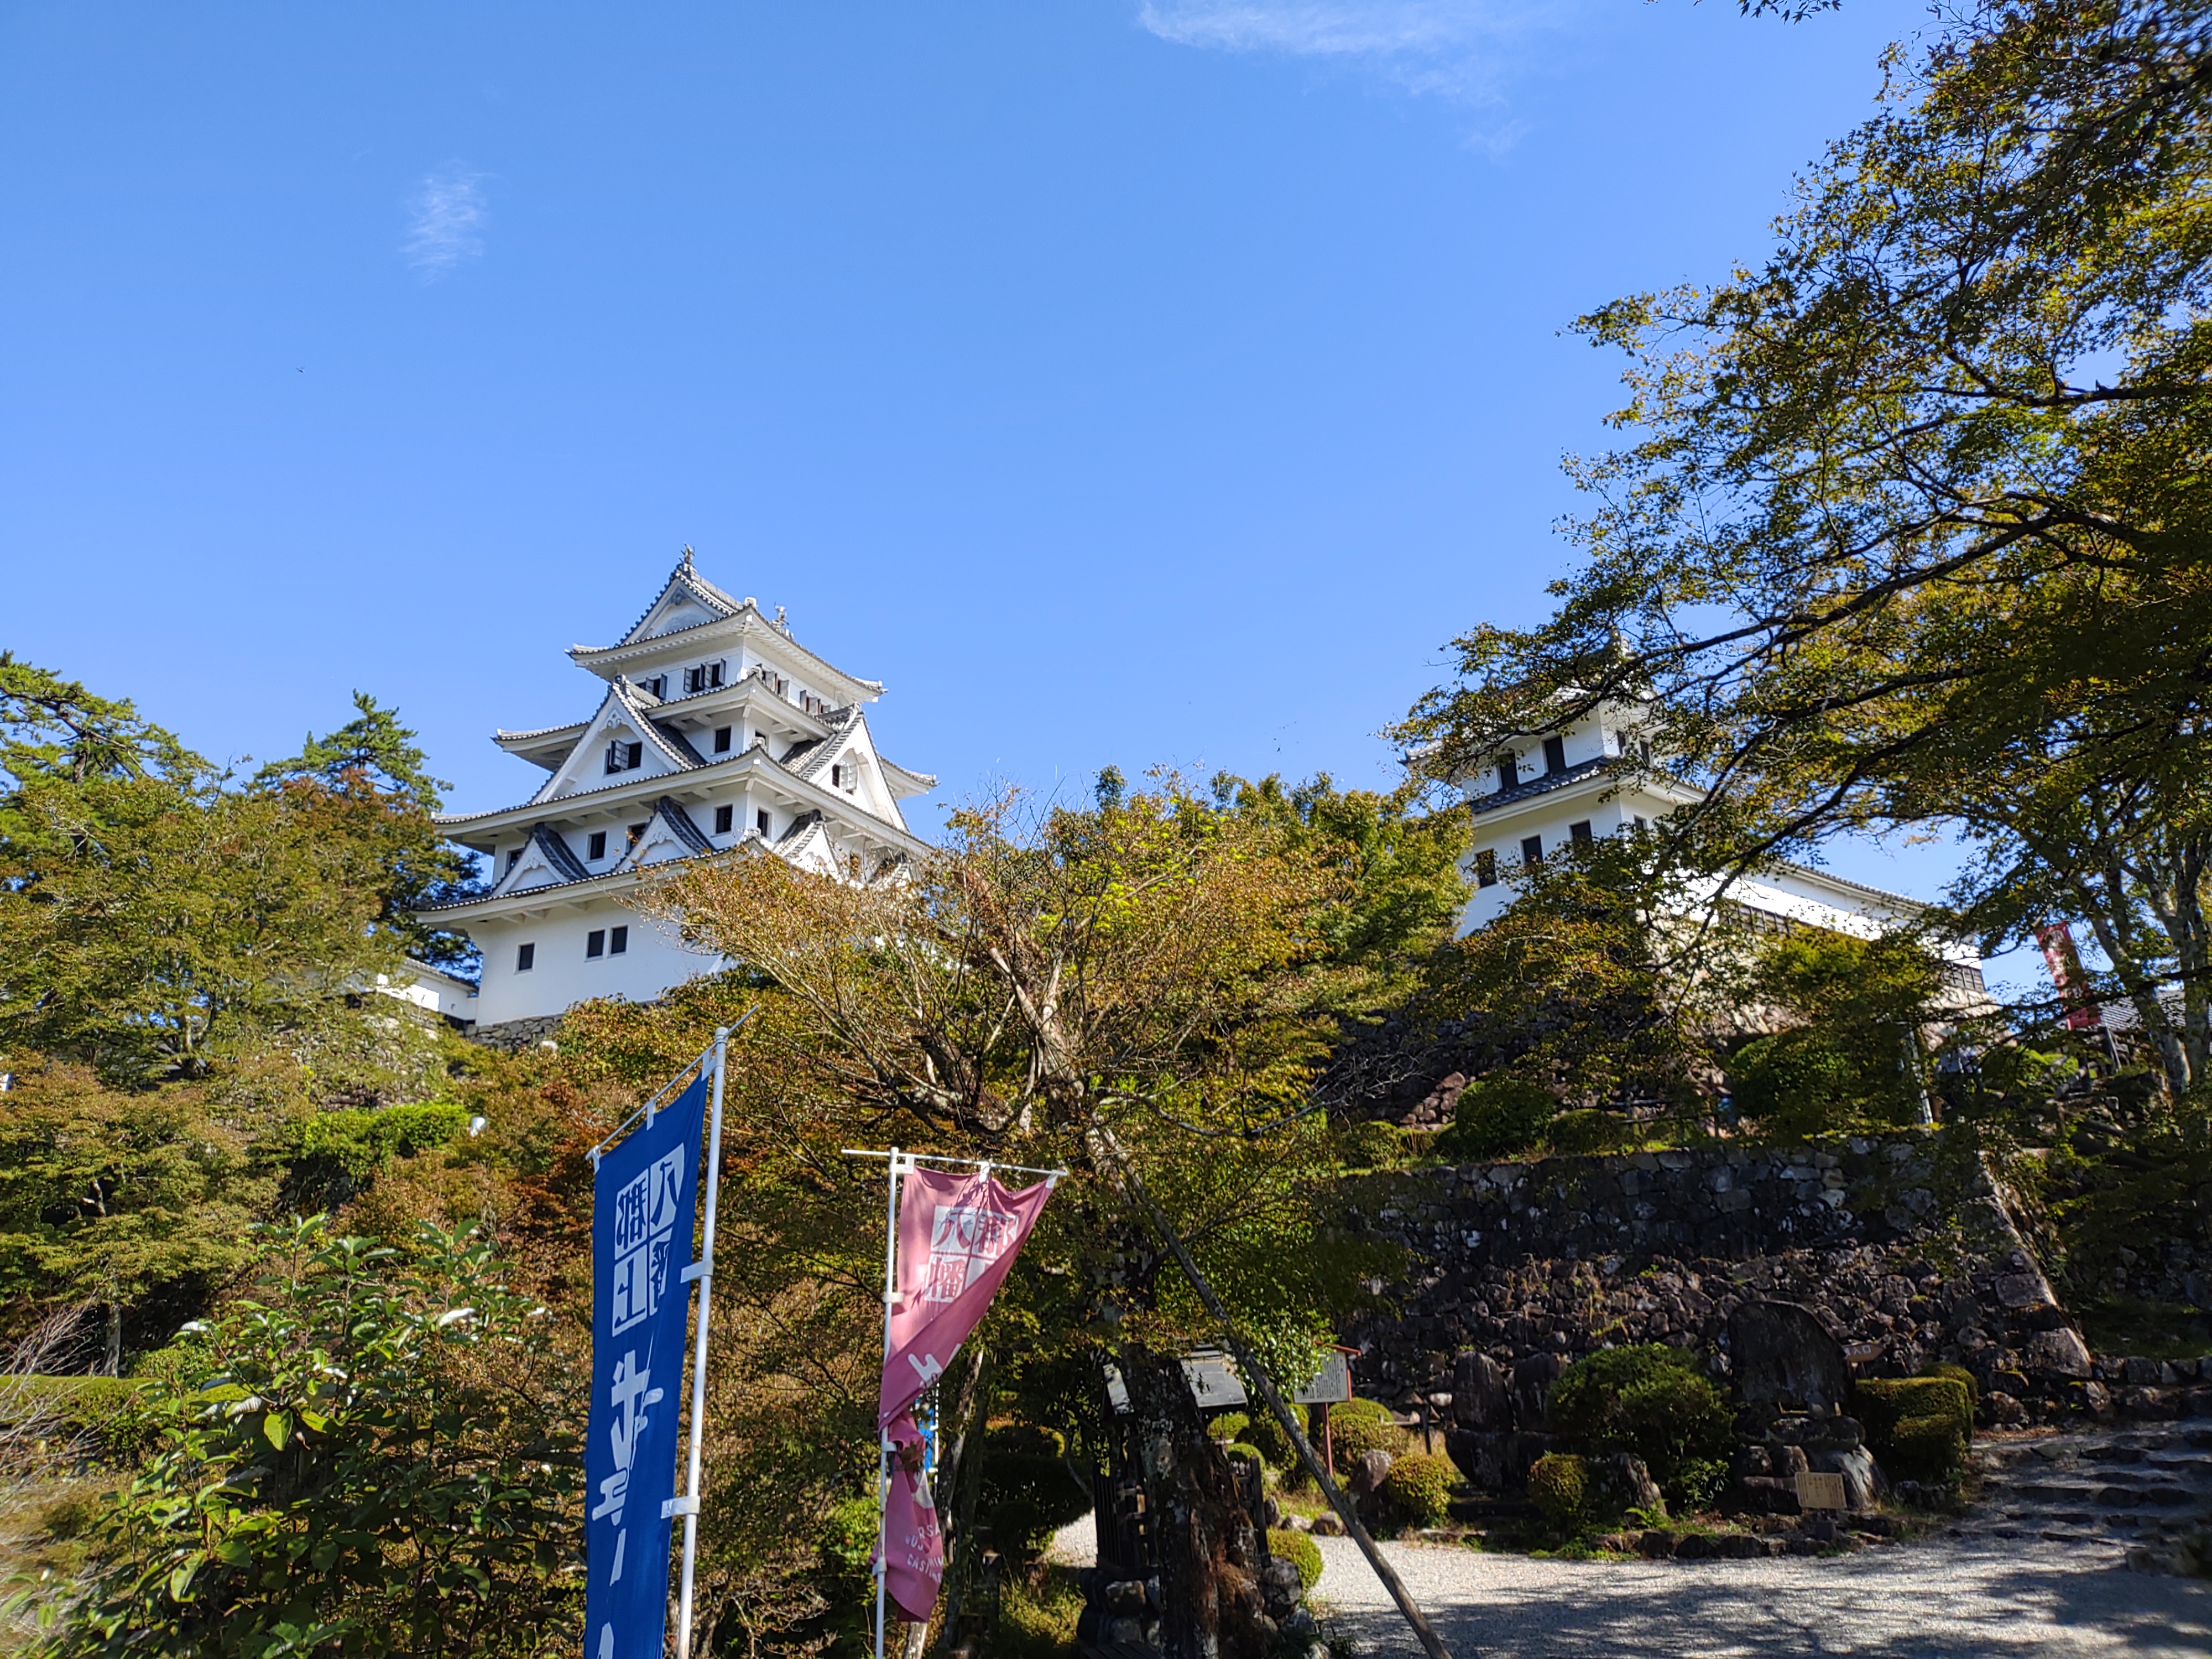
{"type": "Point", "coordinates": [1939, 1599]}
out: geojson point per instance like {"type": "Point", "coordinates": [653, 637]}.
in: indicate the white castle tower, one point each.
{"type": "Point", "coordinates": [717, 732]}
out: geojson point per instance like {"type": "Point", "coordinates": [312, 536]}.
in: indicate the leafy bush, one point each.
{"type": "Point", "coordinates": [1649, 1398]}
{"type": "Point", "coordinates": [1419, 1488]}
{"type": "Point", "coordinates": [1583, 1133]}
{"type": "Point", "coordinates": [1027, 1490]}
{"type": "Point", "coordinates": [1300, 1551]}
{"type": "Point", "coordinates": [400, 1475]}
{"type": "Point", "coordinates": [1918, 1427]}
{"type": "Point", "coordinates": [1374, 1146]}
{"type": "Point", "coordinates": [1353, 1438]}
{"type": "Point", "coordinates": [1559, 1485]}
{"type": "Point", "coordinates": [362, 1142]}
{"type": "Point", "coordinates": [102, 1412]}
{"type": "Point", "coordinates": [1229, 1426]}
{"type": "Point", "coordinates": [1496, 1117]}
{"type": "Point", "coordinates": [1359, 1406]}
{"type": "Point", "coordinates": [1037, 1616]}
{"type": "Point", "coordinates": [1698, 1481]}
{"type": "Point", "coordinates": [1267, 1434]}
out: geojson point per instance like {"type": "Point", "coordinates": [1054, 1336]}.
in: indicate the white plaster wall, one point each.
{"type": "Point", "coordinates": [562, 976]}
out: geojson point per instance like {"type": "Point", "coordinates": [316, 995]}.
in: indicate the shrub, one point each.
{"type": "Point", "coordinates": [1918, 1427]}
{"type": "Point", "coordinates": [405, 1457]}
{"type": "Point", "coordinates": [1957, 1374]}
{"type": "Point", "coordinates": [98, 1412]}
{"type": "Point", "coordinates": [1267, 1434]}
{"type": "Point", "coordinates": [1374, 1146]}
{"type": "Point", "coordinates": [1300, 1551]}
{"type": "Point", "coordinates": [1026, 1489]}
{"type": "Point", "coordinates": [1649, 1398]}
{"type": "Point", "coordinates": [1496, 1117]}
{"type": "Point", "coordinates": [1698, 1481]}
{"type": "Point", "coordinates": [1360, 1406]}
{"type": "Point", "coordinates": [1559, 1483]}
{"type": "Point", "coordinates": [1229, 1426]}
{"type": "Point", "coordinates": [1419, 1486]}
{"type": "Point", "coordinates": [1353, 1438]}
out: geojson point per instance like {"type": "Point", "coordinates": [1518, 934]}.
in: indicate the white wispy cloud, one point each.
{"type": "Point", "coordinates": [1459, 49]}
{"type": "Point", "coordinates": [445, 221]}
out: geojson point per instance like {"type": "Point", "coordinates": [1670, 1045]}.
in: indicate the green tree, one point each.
{"type": "Point", "coordinates": [376, 1453]}
{"type": "Point", "coordinates": [373, 761]}
{"type": "Point", "coordinates": [120, 1198]}
{"type": "Point", "coordinates": [154, 919]}
{"type": "Point", "coordinates": [1854, 1015]}
{"type": "Point", "coordinates": [1911, 527]}
{"type": "Point", "coordinates": [1144, 986]}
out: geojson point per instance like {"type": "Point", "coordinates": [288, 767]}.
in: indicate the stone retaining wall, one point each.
{"type": "Point", "coordinates": [1903, 1246]}
{"type": "Point", "coordinates": [515, 1035]}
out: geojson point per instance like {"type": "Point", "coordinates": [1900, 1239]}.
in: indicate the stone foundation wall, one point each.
{"type": "Point", "coordinates": [1903, 1246]}
{"type": "Point", "coordinates": [515, 1035]}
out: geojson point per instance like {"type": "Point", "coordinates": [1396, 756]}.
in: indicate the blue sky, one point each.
{"type": "Point", "coordinates": [1120, 382]}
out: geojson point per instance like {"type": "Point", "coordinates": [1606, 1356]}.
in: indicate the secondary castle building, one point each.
{"type": "Point", "coordinates": [1589, 778]}
{"type": "Point", "coordinates": [716, 732]}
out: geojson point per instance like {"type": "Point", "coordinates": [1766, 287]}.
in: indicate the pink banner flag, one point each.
{"type": "Point", "coordinates": [957, 1237]}
{"type": "Point", "coordinates": [913, 1551]}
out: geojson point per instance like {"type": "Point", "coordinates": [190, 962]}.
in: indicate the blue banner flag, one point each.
{"type": "Point", "coordinates": [642, 1203]}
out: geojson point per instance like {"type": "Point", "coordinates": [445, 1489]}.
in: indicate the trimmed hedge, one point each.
{"type": "Point", "coordinates": [1559, 1483]}
{"type": "Point", "coordinates": [1918, 1427]}
{"type": "Point", "coordinates": [1495, 1117]}
{"type": "Point", "coordinates": [1300, 1551]}
{"type": "Point", "coordinates": [1273, 1444]}
{"type": "Point", "coordinates": [1419, 1487]}
{"type": "Point", "coordinates": [1353, 1438]}
{"type": "Point", "coordinates": [1229, 1426]}
{"type": "Point", "coordinates": [1647, 1399]}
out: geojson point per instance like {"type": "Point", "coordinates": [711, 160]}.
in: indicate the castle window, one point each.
{"type": "Point", "coordinates": [724, 816]}
{"type": "Point", "coordinates": [624, 756]}
{"type": "Point", "coordinates": [658, 686]}
{"type": "Point", "coordinates": [1640, 825]}
{"type": "Point", "coordinates": [514, 857]}
{"type": "Point", "coordinates": [525, 958]}
{"type": "Point", "coordinates": [761, 820]}
{"type": "Point", "coordinates": [705, 678]}
{"type": "Point", "coordinates": [1579, 832]}
{"type": "Point", "coordinates": [597, 846]}
{"type": "Point", "coordinates": [721, 740]}
{"type": "Point", "coordinates": [595, 942]}
{"type": "Point", "coordinates": [1485, 868]}
{"type": "Point", "coordinates": [1555, 755]}
{"type": "Point", "coordinates": [633, 832]}
{"type": "Point", "coordinates": [1532, 850]}
{"type": "Point", "coordinates": [837, 777]}
{"type": "Point", "coordinates": [1509, 774]}
{"type": "Point", "coordinates": [618, 942]}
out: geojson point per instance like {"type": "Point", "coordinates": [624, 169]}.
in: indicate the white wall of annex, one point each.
{"type": "Point", "coordinates": [560, 974]}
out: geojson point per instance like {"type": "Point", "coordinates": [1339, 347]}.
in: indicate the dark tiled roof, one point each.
{"type": "Point", "coordinates": [681, 744]}
{"type": "Point", "coordinates": [1538, 786]}
{"type": "Point", "coordinates": [709, 595]}
{"type": "Point", "coordinates": [800, 825]}
{"type": "Point", "coordinates": [680, 821]}
{"type": "Point", "coordinates": [569, 867]}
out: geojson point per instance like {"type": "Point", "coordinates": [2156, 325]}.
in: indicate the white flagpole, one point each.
{"type": "Point", "coordinates": [703, 1270]}
{"type": "Point", "coordinates": [883, 1440]}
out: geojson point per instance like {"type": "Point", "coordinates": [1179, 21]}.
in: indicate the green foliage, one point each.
{"type": "Point", "coordinates": [1374, 1146]}
{"type": "Point", "coordinates": [1852, 1061]}
{"type": "Point", "coordinates": [1360, 1406]}
{"type": "Point", "coordinates": [1300, 1551]}
{"type": "Point", "coordinates": [1352, 1437]}
{"type": "Point", "coordinates": [398, 1474]}
{"type": "Point", "coordinates": [1037, 1616]}
{"type": "Point", "coordinates": [1919, 1427]}
{"type": "Point", "coordinates": [850, 1532]}
{"type": "Point", "coordinates": [362, 1141]}
{"type": "Point", "coordinates": [1960, 1374]}
{"type": "Point", "coordinates": [1028, 1493]}
{"type": "Point", "coordinates": [1227, 1425]}
{"type": "Point", "coordinates": [131, 1199]}
{"type": "Point", "coordinates": [1419, 1488]}
{"type": "Point", "coordinates": [1699, 1482]}
{"type": "Point", "coordinates": [1496, 1117]}
{"type": "Point", "coordinates": [1559, 1486]}
{"type": "Point", "coordinates": [1649, 1398]}
{"type": "Point", "coordinates": [1265, 1436]}
{"type": "Point", "coordinates": [1906, 526]}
